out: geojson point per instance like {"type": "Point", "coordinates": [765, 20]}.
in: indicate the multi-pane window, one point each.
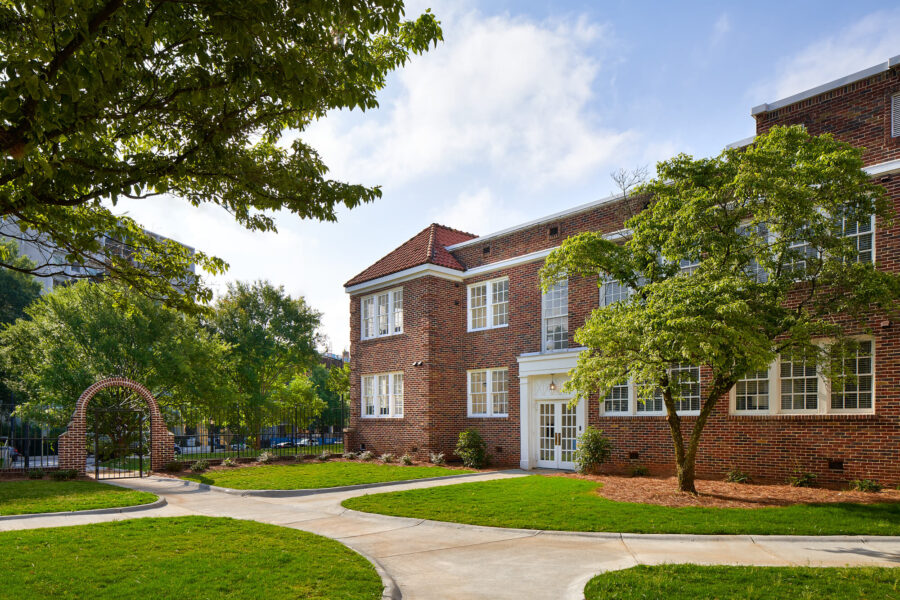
{"type": "Point", "coordinates": [754, 269]}
{"type": "Point", "coordinates": [382, 395]}
{"type": "Point", "coordinates": [800, 254]}
{"type": "Point", "coordinates": [488, 393]}
{"type": "Point", "coordinates": [688, 265]}
{"type": "Point", "coordinates": [752, 392]}
{"type": "Point", "coordinates": [382, 314]}
{"type": "Point", "coordinates": [650, 405]}
{"type": "Point", "coordinates": [799, 384]}
{"type": "Point", "coordinates": [613, 291]}
{"type": "Point", "coordinates": [616, 400]}
{"type": "Point", "coordinates": [688, 380]}
{"type": "Point", "coordinates": [857, 380]}
{"type": "Point", "coordinates": [489, 304]}
{"type": "Point", "coordinates": [862, 234]}
{"type": "Point", "coordinates": [555, 311]}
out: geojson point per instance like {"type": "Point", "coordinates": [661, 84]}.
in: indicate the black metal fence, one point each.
{"type": "Point", "coordinates": [213, 435]}
{"type": "Point", "coordinates": [26, 443]}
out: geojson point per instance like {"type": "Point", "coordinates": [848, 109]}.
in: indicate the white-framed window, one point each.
{"type": "Point", "coordinates": [895, 115]}
{"type": "Point", "coordinates": [796, 385]}
{"type": "Point", "coordinates": [688, 265]}
{"type": "Point", "coordinates": [382, 314]}
{"type": "Point", "coordinates": [382, 395]}
{"type": "Point", "coordinates": [751, 394]}
{"type": "Point", "coordinates": [488, 393]}
{"type": "Point", "coordinates": [618, 400]}
{"type": "Point", "coordinates": [651, 405]}
{"type": "Point", "coordinates": [489, 304]}
{"type": "Point", "coordinates": [862, 233]}
{"type": "Point", "coordinates": [688, 378]}
{"type": "Point", "coordinates": [613, 291]}
{"type": "Point", "coordinates": [858, 389]}
{"type": "Point", "coordinates": [555, 317]}
{"type": "Point", "coordinates": [754, 269]}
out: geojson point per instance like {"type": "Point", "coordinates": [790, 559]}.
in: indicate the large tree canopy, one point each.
{"type": "Point", "coordinates": [734, 260]}
{"type": "Point", "coordinates": [17, 291]}
{"type": "Point", "coordinates": [137, 98]}
{"type": "Point", "coordinates": [85, 332]}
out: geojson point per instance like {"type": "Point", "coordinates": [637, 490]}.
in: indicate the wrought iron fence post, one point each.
{"type": "Point", "coordinates": [96, 450]}
{"type": "Point", "coordinates": [141, 444]}
{"type": "Point", "coordinates": [27, 441]}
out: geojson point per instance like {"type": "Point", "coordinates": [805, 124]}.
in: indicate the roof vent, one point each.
{"type": "Point", "coordinates": [553, 231]}
{"type": "Point", "coordinates": [895, 115]}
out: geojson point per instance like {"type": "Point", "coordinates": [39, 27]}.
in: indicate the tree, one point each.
{"type": "Point", "coordinates": [301, 397]}
{"type": "Point", "coordinates": [85, 332]}
{"type": "Point", "coordinates": [735, 260]}
{"type": "Point", "coordinates": [273, 339]}
{"type": "Point", "coordinates": [112, 99]}
{"type": "Point", "coordinates": [17, 291]}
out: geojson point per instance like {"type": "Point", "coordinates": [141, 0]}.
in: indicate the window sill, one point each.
{"type": "Point", "coordinates": [506, 416]}
{"type": "Point", "coordinates": [379, 418]}
{"type": "Point", "coordinates": [485, 328]}
{"type": "Point", "coordinates": [382, 337]}
{"type": "Point", "coordinates": [805, 417]}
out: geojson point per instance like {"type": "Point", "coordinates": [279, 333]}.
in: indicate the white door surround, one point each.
{"type": "Point", "coordinates": [548, 427]}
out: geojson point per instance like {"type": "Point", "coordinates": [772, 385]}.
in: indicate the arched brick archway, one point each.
{"type": "Point", "coordinates": [72, 447]}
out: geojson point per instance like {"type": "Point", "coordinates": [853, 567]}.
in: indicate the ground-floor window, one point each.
{"type": "Point", "coordinates": [488, 393]}
{"type": "Point", "coordinates": [382, 395]}
{"type": "Point", "coordinates": [629, 398]}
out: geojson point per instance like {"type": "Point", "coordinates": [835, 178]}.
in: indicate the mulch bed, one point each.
{"type": "Point", "coordinates": [721, 494]}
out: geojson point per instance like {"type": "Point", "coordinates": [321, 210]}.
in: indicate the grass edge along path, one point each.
{"type": "Point", "coordinates": [316, 475]}
{"type": "Point", "coordinates": [182, 557]}
{"type": "Point", "coordinates": [689, 582]}
{"type": "Point", "coordinates": [564, 504]}
{"type": "Point", "coordinates": [48, 496]}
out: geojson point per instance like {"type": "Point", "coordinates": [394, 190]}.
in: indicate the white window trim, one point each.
{"type": "Point", "coordinates": [391, 399]}
{"type": "Point", "coordinates": [545, 318]}
{"type": "Point", "coordinates": [489, 304]}
{"type": "Point", "coordinates": [489, 380]}
{"type": "Point", "coordinates": [607, 282]}
{"type": "Point", "coordinates": [823, 401]}
{"type": "Point", "coordinates": [390, 314]}
{"type": "Point", "coordinates": [633, 406]}
{"type": "Point", "coordinates": [873, 233]}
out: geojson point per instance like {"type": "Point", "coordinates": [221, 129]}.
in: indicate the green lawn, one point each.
{"type": "Point", "coordinates": [38, 496]}
{"type": "Point", "coordinates": [560, 503]}
{"type": "Point", "coordinates": [694, 582]}
{"type": "Point", "coordinates": [184, 557]}
{"type": "Point", "coordinates": [314, 475]}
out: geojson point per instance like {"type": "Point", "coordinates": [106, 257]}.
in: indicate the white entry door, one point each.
{"type": "Point", "coordinates": [557, 435]}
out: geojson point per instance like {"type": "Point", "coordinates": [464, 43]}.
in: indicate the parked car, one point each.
{"type": "Point", "coordinates": [283, 445]}
{"type": "Point", "coordinates": [239, 446]}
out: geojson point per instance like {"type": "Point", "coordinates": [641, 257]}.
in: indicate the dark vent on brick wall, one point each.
{"type": "Point", "coordinates": [634, 455]}
{"type": "Point", "coordinates": [486, 250]}
{"type": "Point", "coordinates": [836, 464]}
{"type": "Point", "coordinates": [553, 231]}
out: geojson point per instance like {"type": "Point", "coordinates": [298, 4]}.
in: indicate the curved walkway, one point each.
{"type": "Point", "coordinates": [432, 560]}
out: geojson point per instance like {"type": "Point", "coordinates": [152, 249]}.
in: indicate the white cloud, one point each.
{"type": "Point", "coordinates": [503, 93]}
{"type": "Point", "coordinates": [721, 28]}
{"type": "Point", "coordinates": [865, 43]}
{"type": "Point", "coordinates": [479, 211]}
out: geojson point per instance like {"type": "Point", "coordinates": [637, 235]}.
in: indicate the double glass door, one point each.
{"type": "Point", "coordinates": [557, 435]}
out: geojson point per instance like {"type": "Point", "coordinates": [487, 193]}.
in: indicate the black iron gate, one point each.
{"type": "Point", "coordinates": [119, 443]}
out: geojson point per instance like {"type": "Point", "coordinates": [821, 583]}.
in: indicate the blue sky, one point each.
{"type": "Point", "coordinates": [524, 110]}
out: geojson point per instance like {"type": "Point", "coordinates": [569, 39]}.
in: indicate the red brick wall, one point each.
{"type": "Point", "coordinates": [764, 446]}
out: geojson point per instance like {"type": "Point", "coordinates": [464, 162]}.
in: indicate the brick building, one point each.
{"type": "Point", "coordinates": [451, 331]}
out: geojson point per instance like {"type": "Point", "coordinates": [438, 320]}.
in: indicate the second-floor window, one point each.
{"type": "Point", "coordinates": [555, 317]}
{"type": "Point", "coordinates": [382, 314]}
{"type": "Point", "coordinates": [489, 304]}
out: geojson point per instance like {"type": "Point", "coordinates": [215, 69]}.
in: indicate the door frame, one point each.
{"type": "Point", "coordinates": [536, 371]}
{"type": "Point", "coordinates": [557, 462]}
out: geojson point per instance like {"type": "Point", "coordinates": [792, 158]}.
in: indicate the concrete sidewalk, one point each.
{"type": "Point", "coordinates": [431, 560]}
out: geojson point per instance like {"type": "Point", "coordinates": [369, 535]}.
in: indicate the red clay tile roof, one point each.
{"type": "Point", "coordinates": [426, 247]}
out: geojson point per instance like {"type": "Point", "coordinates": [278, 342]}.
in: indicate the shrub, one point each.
{"type": "Point", "coordinates": [229, 462]}
{"type": "Point", "coordinates": [387, 457]}
{"type": "Point", "coordinates": [737, 476]}
{"type": "Point", "coordinates": [173, 467]}
{"type": "Point", "coordinates": [593, 449]}
{"type": "Point", "coordinates": [639, 471]}
{"type": "Point", "coordinates": [64, 474]}
{"type": "Point", "coordinates": [800, 478]}
{"type": "Point", "coordinates": [35, 473]}
{"type": "Point", "coordinates": [866, 485]}
{"type": "Point", "coordinates": [471, 449]}
{"type": "Point", "coordinates": [349, 455]}
{"type": "Point", "coordinates": [406, 459]}
{"type": "Point", "coordinates": [265, 457]}
{"type": "Point", "coordinates": [324, 456]}
{"type": "Point", "coordinates": [199, 466]}
{"type": "Point", "coordinates": [437, 458]}
{"type": "Point", "coordinates": [367, 455]}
